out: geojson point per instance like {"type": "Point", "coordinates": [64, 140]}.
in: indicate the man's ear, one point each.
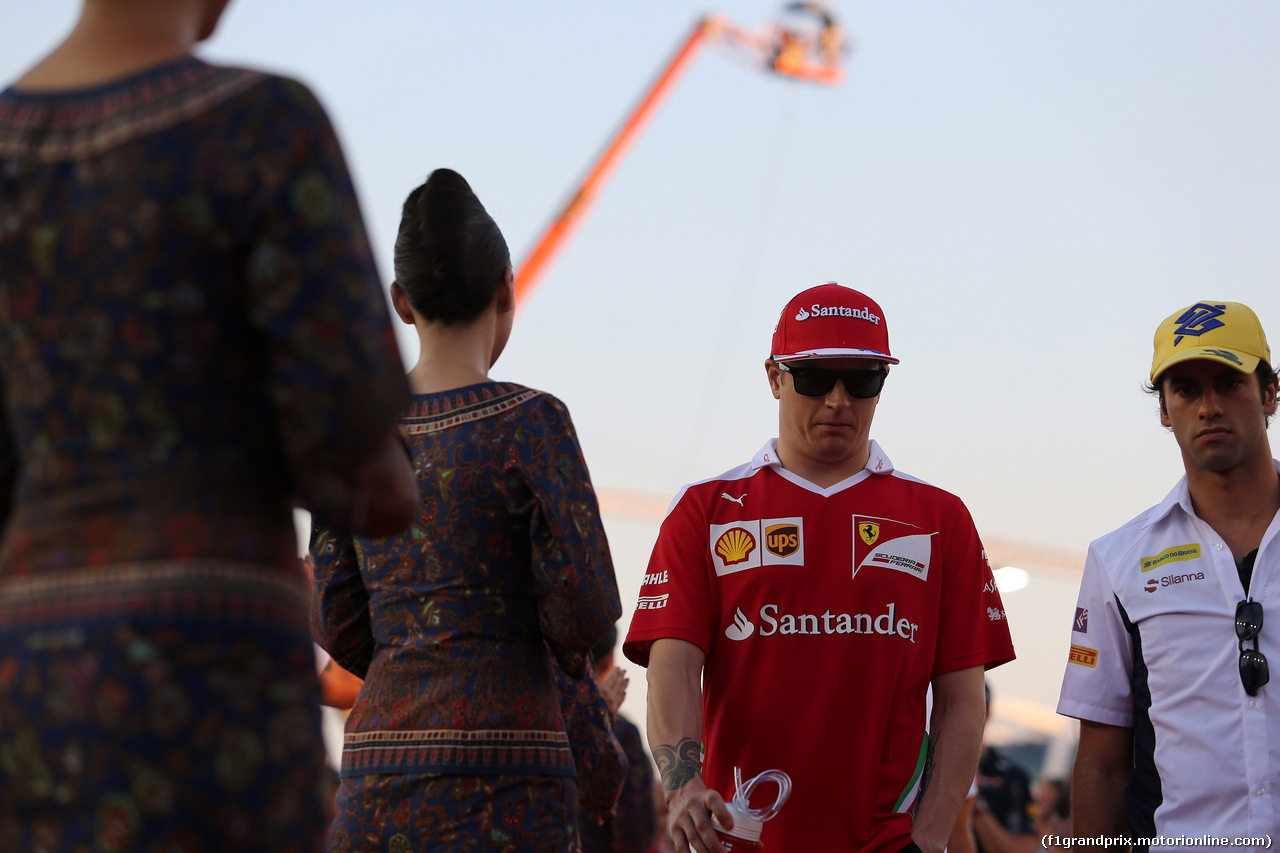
{"type": "Point", "coordinates": [775, 378]}
{"type": "Point", "coordinates": [1269, 399]}
{"type": "Point", "coordinates": [400, 302]}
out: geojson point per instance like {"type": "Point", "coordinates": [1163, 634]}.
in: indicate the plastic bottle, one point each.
{"type": "Point", "coordinates": [748, 822]}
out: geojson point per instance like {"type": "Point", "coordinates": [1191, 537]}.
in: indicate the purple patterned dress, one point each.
{"type": "Point", "coordinates": [192, 338]}
{"type": "Point", "coordinates": [457, 740]}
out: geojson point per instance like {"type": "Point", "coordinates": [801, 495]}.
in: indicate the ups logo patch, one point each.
{"type": "Point", "coordinates": [782, 539]}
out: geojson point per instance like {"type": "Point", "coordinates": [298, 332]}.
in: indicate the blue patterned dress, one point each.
{"type": "Point", "coordinates": [457, 740]}
{"type": "Point", "coordinates": [192, 339]}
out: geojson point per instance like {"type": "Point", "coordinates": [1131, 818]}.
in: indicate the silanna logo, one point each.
{"type": "Point", "coordinates": [1172, 580]}
{"type": "Point", "coordinates": [836, 311]}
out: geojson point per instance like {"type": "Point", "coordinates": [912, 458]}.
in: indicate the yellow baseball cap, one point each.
{"type": "Point", "coordinates": [1228, 332]}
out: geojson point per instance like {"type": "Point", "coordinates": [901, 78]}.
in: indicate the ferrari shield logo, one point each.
{"type": "Point", "coordinates": [869, 531]}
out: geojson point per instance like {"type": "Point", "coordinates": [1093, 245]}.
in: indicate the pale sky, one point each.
{"type": "Point", "coordinates": [1026, 188]}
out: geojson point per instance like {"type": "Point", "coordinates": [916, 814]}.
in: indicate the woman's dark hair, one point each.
{"type": "Point", "coordinates": [450, 256]}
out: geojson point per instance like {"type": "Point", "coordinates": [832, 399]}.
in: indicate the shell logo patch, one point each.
{"type": "Point", "coordinates": [782, 539]}
{"type": "Point", "coordinates": [735, 546]}
{"type": "Point", "coordinates": [869, 531]}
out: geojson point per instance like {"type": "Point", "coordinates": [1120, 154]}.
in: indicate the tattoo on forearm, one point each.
{"type": "Point", "coordinates": [927, 773]}
{"type": "Point", "coordinates": [678, 764]}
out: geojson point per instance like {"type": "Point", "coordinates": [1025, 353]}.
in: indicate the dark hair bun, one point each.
{"type": "Point", "coordinates": [450, 256]}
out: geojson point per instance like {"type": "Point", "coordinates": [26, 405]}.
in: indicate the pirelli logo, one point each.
{"type": "Point", "coordinates": [1176, 554]}
{"type": "Point", "coordinates": [1083, 656]}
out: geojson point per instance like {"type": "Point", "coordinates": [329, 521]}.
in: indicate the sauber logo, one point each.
{"type": "Point", "coordinates": [735, 545]}
{"type": "Point", "coordinates": [652, 602]}
{"type": "Point", "coordinates": [773, 622]}
{"type": "Point", "coordinates": [1082, 656]}
{"type": "Point", "coordinates": [782, 539]}
{"type": "Point", "coordinates": [869, 531]}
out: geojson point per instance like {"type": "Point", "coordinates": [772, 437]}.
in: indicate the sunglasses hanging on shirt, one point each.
{"type": "Point", "coordinates": [1254, 671]}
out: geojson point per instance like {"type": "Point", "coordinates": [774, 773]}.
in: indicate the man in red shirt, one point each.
{"type": "Point", "coordinates": [798, 608]}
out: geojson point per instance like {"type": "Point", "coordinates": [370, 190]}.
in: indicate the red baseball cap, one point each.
{"type": "Point", "coordinates": [830, 321]}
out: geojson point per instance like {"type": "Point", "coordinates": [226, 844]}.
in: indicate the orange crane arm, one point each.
{"type": "Point", "coordinates": [554, 237]}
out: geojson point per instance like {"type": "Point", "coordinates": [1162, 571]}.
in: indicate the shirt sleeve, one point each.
{"type": "Point", "coordinates": [572, 569]}
{"type": "Point", "coordinates": [972, 626]}
{"type": "Point", "coordinates": [313, 293]}
{"type": "Point", "coordinates": [675, 598]}
{"type": "Point", "coordinates": [1097, 683]}
{"type": "Point", "coordinates": [598, 758]}
{"type": "Point", "coordinates": [340, 603]}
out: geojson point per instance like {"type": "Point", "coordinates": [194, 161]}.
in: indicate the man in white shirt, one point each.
{"type": "Point", "coordinates": [1179, 727]}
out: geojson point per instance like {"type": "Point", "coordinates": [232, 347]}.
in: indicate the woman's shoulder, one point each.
{"type": "Point", "coordinates": [83, 121]}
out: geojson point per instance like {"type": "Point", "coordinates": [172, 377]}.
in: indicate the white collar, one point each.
{"type": "Point", "coordinates": [877, 463]}
{"type": "Point", "coordinates": [1180, 497]}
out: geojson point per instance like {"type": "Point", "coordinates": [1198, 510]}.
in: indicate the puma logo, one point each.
{"type": "Point", "coordinates": [738, 501]}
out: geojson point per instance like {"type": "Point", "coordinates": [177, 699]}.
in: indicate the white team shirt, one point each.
{"type": "Point", "coordinates": [1154, 648]}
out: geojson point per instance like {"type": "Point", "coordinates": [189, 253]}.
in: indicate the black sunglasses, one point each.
{"type": "Point", "coordinates": [1254, 671]}
{"type": "Point", "coordinates": [818, 381]}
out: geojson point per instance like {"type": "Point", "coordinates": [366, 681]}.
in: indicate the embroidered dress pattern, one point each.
{"type": "Point", "coordinates": [192, 337]}
{"type": "Point", "coordinates": [458, 624]}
